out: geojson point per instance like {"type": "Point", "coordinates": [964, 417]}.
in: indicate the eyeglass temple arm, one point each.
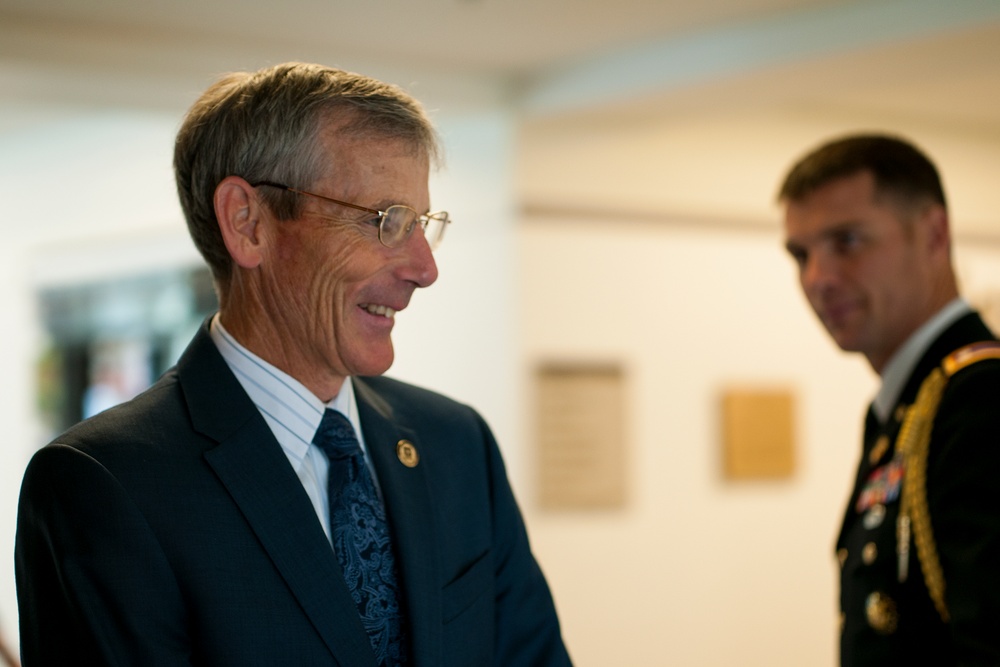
{"type": "Point", "coordinates": [313, 194]}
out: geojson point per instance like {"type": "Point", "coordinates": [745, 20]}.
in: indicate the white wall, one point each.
{"type": "Point", "coordinates": [696, 571]}
{"type": "Point", "coordinates": [85, 195]}
{"type": "Point", "coordinates": [725, 163]}
{"type": "Point", "coordinates": [459, 335]}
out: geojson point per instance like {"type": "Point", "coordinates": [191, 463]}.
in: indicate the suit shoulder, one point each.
{"type": "Point", "coordinates": [417, 404]}
{"type": "Point", "coordinates": [392, 389]}
{"type": "Point", "coordinates": [140, 422]}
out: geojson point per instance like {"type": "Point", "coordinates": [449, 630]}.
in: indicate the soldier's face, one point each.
{"type": "Point", "coordinates": [864, 265]}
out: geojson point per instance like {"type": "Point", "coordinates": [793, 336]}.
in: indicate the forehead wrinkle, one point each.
{"type": "Point", "coordinates": [352, 183]}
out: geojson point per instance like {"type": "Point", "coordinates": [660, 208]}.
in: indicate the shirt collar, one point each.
{"type": "Point", "coordinates": [290, 409]}
{"type": "Point", "coordinates": [900, 366]}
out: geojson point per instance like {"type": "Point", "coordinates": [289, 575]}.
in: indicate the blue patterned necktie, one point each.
{"type": "Point", "coordinates": [361, 539]}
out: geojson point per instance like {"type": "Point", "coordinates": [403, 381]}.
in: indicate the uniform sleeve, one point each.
{"type": "Point", "coordinates": [93, 585]}
{"type": "Point", "coordinates": [964, 503]}
{"type": "Point", "coordinates": [527, 628]}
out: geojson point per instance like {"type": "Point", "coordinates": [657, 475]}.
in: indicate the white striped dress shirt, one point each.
{"type": "Point", "coordinates": [293, 413]}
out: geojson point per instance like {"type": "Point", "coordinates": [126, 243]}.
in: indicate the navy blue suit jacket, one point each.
{"type": "Point", "coordinates": [172, 530]}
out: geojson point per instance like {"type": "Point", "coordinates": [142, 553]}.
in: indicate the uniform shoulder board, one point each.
{"type": "Point", "coordinates": [970, 354]}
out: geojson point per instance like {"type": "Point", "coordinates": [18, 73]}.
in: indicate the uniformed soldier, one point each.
{"type": "Point", "coordinates": [919, 552]}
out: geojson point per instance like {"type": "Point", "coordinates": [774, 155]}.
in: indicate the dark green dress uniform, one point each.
{"type": "Point", "coordinates": [887, 612]}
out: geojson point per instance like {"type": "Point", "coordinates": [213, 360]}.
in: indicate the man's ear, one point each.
{"type": "Point", "coordinates": [938, 228]}
{"type": "Point", "coordinates": [238, 211]}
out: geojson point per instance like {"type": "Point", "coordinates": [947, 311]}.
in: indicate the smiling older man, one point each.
{"type": "Point", "coordinates": [271, 500]}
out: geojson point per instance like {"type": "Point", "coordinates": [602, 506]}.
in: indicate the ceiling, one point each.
{"type": "Point", "coordinates": [548, 57]}
{"type": "Point", "coordinates": [494, 37]}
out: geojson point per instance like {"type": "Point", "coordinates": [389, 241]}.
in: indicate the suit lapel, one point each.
{"type": "Point", "coordinates": [254, 470]}
{"type": "Point", "coordinates": [406, 491]}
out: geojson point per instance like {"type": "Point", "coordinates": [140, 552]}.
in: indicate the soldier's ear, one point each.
{"type": "Point", "coordinates": [238, 210]}
{"type": "Point", "coordinates": [938, 229]}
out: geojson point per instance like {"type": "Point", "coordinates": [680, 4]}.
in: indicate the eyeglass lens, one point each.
{"type": "Point", "coordinates": [399, 221]}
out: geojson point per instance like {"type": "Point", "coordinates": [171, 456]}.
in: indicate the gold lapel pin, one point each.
{"type": "Point", "coordinates": [407, 453]}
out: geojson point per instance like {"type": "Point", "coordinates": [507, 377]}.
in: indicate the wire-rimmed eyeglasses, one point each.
{"type": "Point", "coordinates": [394, 224]}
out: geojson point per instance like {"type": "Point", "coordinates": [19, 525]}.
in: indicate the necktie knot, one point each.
{"type": "Point", "coordinates": [336, 437]}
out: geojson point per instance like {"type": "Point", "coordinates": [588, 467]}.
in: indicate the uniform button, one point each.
{"type": "Point", "coordinates": [869, 553]}
{"type": "Point", "coordinates": [881, 613]}
{"type": "Point", "coordinates": [842, 556]}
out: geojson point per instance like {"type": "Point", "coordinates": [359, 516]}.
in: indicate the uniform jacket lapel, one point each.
{"type": "Point", "coordinates": [406, 492]}
{"type": "Point", "coordinates": [255, 472]}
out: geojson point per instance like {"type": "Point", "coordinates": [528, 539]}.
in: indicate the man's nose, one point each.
{"type": "Point", "coordinates": [819, 270]}
{"type": "Point", "coordinates": [420, 267]}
